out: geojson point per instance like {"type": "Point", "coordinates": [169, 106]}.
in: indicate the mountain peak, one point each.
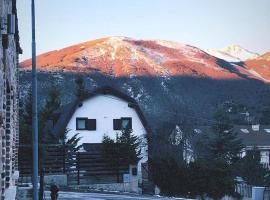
{"type": "Point", "coordinates": [239, 52]}
{"type": "Point", "coordinates": [124, 56]}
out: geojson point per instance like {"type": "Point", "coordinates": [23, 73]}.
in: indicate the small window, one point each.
{"type": "Point", "coordinates": [11, 23]}
{"type": "Point", "coordinates": [126, 123]}
{"type": "Point", "coordinates": [86, 124]}
{"type": "Point", "coordinates": [81, 123]}
{"type": "Point", "coordinates": [123, 123]}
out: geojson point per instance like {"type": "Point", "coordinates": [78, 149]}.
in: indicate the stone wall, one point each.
{"type": "Point", "coordinates": [9, 127]}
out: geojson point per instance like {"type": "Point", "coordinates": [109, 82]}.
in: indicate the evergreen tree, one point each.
{"type": "Point", "coordinates": [111, 153]}
{"type": "Point", "coordinates": [71, 144]}
{"type": "Point", "coordinates": [125, 149]}
{"type": "Point", "coordinates": [129, 146]}
{"type": "Point", "coordinates": [81, 91]}
{"type": "Point", "coordinates": [225, 144]}
{"type": "Point", "coordinates": [251, 169]}
{"type": "Point", "coordinates": [52, 103]}
{"type": "Point", "coordinates": [265, 115]}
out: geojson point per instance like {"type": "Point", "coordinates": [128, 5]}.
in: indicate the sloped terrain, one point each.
{"type": "Point", "coordinates": [171, 81]}
{"type": "Point", "coordinates": [120, 56]}
{"type": "Point", "coordinates": [261, 65]}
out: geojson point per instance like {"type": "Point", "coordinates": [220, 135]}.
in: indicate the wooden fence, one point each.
{"type": "Point", "coordinates": [80, 167]}
{"type": "Point", "coordinates": [246, 191]}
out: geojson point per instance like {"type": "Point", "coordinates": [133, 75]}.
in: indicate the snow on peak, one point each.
{"type": "Point", "coordinates": [169, 44]}
{"type": "Point", "coordinates": [222, 55]}
{"type": "Point", "coordinates": [239, 52]}
{"type": "Point", "coordinates": [232, 53]}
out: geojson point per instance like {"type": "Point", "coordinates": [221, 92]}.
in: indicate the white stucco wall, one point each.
{"type": "Point", "coordinates": [105, 108]}
{"type": "Point", "coordinates": [264, 156]}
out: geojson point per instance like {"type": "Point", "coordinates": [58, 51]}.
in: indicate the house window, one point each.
{"type": "Point", "coordinates": [123, 123]}
{"type": "Point", "coordinates": [126, 123]}
{"type": "Point", "coordinates": [81, 123]}
{"type": "Point", "coordinates": [86, 124]}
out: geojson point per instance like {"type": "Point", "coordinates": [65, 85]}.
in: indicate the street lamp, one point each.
{"type": "Point", "coordinates": [34, 108]}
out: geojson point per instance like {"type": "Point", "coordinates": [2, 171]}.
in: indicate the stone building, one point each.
{"type": "Point", "coordinates": [9, 127]}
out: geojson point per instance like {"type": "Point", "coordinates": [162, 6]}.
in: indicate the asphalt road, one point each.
{"type": "Point", "coordinates": [101, 196]}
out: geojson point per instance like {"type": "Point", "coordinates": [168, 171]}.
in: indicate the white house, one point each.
{"type": "Point", "coordinates": [253, 137]}
{"type": "Point", "coordinates": [258, 137]}
{"type": "Point", "coordinates": [105, 111]}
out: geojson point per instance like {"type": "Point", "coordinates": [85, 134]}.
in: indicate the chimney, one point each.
{"type": "Point", "coordinates": [256, 127]}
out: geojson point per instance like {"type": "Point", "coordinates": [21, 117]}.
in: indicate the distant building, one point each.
{"type": "Point", "coordinates": [256, 137]}
{"type": "Point", "coordinates": [105, 111]}
{"type": "Point", "coordinates": [9, 127]}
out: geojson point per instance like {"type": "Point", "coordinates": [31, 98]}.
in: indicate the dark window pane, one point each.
{"type": "Point", "coordinates": [91, 124]}
{"type": "Point", "coordinates": [116, 124]}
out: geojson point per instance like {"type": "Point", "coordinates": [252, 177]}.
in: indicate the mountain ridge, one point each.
{"type": "Point", "coordinates": [123, 56]}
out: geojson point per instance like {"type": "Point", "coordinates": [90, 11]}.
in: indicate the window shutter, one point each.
{"type": "Point", "coordinates": [91, 124]}
{"type": "Point", "coordinates": [117, 124]}
{"type": "Point", "coordinates": [11, 23]}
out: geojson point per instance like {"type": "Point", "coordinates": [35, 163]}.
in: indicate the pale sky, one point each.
{"type": "Point", "coordinates": [202, 23]}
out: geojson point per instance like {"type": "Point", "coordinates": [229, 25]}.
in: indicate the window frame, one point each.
{"type": "Point", "coordinates": [130, 123]}
{"type": "Point", "coordinates": [115, 125]}
{"type": "Point", "coordinates": [81, 118]}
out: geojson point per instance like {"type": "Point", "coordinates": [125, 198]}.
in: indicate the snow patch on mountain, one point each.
{"type": "Point", "coordinates": [232, 53]}
{"type": "Point", "coordinates": [169, 44]}
{"type": "Point", "coordinates": [222, 55]}
{"type": "Point", "coordinates": [239, 52]}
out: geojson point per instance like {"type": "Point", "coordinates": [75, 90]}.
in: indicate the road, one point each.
{"type": "Point", "coordinates": [101, 196]}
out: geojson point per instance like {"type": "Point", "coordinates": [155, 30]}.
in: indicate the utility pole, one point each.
{"type": "Point", "coordinates": [34, 108]}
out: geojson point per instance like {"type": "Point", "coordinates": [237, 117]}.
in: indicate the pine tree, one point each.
{"type": "Point", "coordinates": [125, 149]}
{"type": "Point", "coordinates": [251, 169]}
{"type": "Point", "coordinates": [225, 144]}
{"type": "Point", "coordinates": [52, 103]}
{"type": "Point", "coordinates": [265, 115]}
{"type": "Point", "coordinates": [81, 91]}
{"type": "Point", "coordinates": [130, 146]}
{"type": "Point", "coordinates": [111, 153]}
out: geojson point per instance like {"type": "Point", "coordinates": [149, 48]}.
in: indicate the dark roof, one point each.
{"type": "Point", "coordinates": [249, 136]}
{"type": "Point", "coordinates": [66, 112]}
{"type": "Point", "coordinates": [252, 137]}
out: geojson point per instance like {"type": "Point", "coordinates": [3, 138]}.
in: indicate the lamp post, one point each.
{"type": "Point", "coordinates": [34, 108]}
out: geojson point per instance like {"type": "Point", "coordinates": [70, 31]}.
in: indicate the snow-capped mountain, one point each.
{"type": "Point", "coordinates": [164, 77]}
{"type": "Point", "coordinates": [233, 53]}
{"type": "Point", "coordinates": [122, 56]}
{"type": "Point", "coordinates": [223, 55]}
{"type": "Point", "coordinates": [239, 52]}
